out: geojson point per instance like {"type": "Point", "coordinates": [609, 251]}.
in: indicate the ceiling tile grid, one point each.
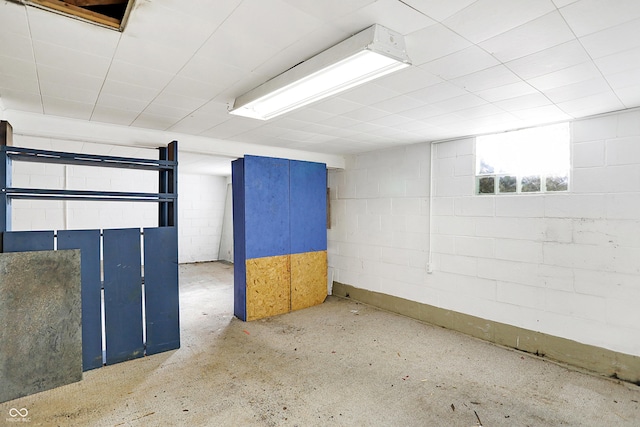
{"type": "Point", "coordinates": [478, 66]}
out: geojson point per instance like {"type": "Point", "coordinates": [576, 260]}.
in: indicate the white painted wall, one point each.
{"type": "Point", "coordinates": [565, 264]}
{"type": "Point", "coordinates": [200, 206]}
{"type": "Point", "coordinates": [201, 210]}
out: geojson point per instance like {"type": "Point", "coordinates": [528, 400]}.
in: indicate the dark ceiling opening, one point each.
{"type": "Point", "coordinates": [109, 13]}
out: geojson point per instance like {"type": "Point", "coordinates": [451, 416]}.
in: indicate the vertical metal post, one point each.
{"type": "Point", "coordinates": [172, 184]}
{"type": "Point", "coordinates": [163, 207]}
{"type": "Point", "coordinates": [6, 139]}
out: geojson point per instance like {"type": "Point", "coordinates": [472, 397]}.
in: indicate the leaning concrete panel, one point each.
{"type": "Point", "coordinates": [40, 318]}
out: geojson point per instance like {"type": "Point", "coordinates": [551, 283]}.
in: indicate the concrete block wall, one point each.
{"type": "Point", "coordinates": [379, 232]}
{"type": "Point", "coordinates": [200, 207]}
{"type": "Point", "coordinates": [565, 264]}
{"type": "Point", "coordinates": [201, 211]}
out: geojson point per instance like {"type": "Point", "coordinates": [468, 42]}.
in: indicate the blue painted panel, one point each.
{"type": "Point", "coordinates": [162, 309]}
{"type": "Point", "coordinates": [239, 256]}
{"type": "Point", "coordinates": [123, 294]}
{"type": "Point", "coordinates": [308, 186]}
{"type": "Point", "coordinates": [266, 184]}
{"type": "Point", "coordinates": [27, 241]}
{"type": "Point", "coordinates": [88, 241]}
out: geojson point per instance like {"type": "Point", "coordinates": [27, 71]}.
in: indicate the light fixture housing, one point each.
{"type": "Point", "coordinates": [367, 55]}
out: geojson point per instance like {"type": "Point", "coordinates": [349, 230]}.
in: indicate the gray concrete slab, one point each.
{"type": "Point", "coordinates": [40, 322]}
{"type": "Point", "coordinates": [337, 364]}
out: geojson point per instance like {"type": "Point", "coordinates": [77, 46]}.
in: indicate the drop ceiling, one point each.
{"type": "Point", "coordinates": [479, 66]}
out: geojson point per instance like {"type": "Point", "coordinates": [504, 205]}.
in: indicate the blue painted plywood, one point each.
{"type": "Point", "coordinates": [266, 185]}
{"type": "Point", "coordinates": [123, 294]}
{"type": "Point", "coordinates": [162, 308]}
{"type": "Point", "coordinates": [88, 241]}
{"type": "Point", "coordinates": [308, 189]}
{"type": "Point", "coordinates": [239, 254]}
{"type": "Point", "coordinates": [27, 241]}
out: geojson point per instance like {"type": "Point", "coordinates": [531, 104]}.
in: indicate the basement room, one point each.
{"type": "Point", "coordinates": [320, 213]}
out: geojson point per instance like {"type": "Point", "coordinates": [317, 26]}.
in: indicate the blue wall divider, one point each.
{"type": "Point", "coordinates": [123, 294]}
{"type": "Point", "coordinates": [162, 314]}
{"type": "Point", "coordinates": [27, 241]}
{"type": "Point", "coordinates": [88, 241]}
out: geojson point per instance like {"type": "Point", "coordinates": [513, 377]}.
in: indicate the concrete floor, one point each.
{"type": "Point", "coordinates": [341, 363]}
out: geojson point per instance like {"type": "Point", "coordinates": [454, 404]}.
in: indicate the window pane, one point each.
{"type": "Point", "coordinates": [557, 183]}
{"type": "Point", "coordinates": [508, 184]}
{"type": "Point", "coordinates": [486, 185]}
{"type": "Point", "coordinates": [530, 183]}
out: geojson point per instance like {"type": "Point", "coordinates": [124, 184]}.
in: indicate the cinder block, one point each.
{"type": "Point", "coordinates": [475, 206]}
{"type": "Point", "coordinates": [481, 247]}
{"type": "Point", "coordinates": [575, 205]}
{"type": "Point", "coordinates": [519, 250]}
{"type": "Point", "coordinates": [594, 128]}
{"type": "Point", "coordinates": [531, 206]}
{"type": "Point", "coordinates": [589, 154]}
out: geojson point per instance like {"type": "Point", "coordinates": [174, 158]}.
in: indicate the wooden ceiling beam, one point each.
{"type": "Point", "coordinates": [85, 3]}
{"type": "Point", "coordinates": [80, 12]}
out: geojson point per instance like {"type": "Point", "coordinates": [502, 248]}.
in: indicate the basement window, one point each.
{"type": "Point", "coordinates": [107, 13]}
{"type": "Point", "coordinates": [533, 160]}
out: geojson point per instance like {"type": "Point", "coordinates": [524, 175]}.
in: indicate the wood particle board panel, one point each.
{"type": "Point", "coordinates": [40, 314]}
{"type": "Point", "coordinates": [268, 286]}
{"type": "Point", "coordinates": [308, 279]}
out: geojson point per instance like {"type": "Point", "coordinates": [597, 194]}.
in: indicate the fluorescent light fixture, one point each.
{"type": "Point", "coordinates": [367, 55]}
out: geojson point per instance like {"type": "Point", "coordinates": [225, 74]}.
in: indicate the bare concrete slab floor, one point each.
{"type": "Point", "coordinates": [338, 364]}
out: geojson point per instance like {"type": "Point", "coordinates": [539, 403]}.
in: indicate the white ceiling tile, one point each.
{"type": "Point", "coordinates": [487, 79]}
{"type": "Point", "coordinates": [432, 43]}
{"type": "Point", "coordinates": [392, 14]}
{"type": "Point", "coordinates": [140, 94]}
{"type": "Point", "coordinates": [460, 103]}
{"type": "Point", "coordinates": [336, 105]}
{"type": "Point", "coordinates": [366, 113]}
{"type": "Point", "coordinates": [549, 60]}
{"type": "Point", "coordinates": [256, 19]}
{"type": "Point", "coordinates": [149, 54]}
{"type": "Point", "coordinates": [138, 76]}
{"type": "Point", "coordinates": [422, 113]}
{"type": "Point", "coordinates": [523, 102]}
{"type": "Point", "coordinates": [13, 19]}
{"type": "Point", "coordinates": [184, 103]}
{"type": "Point", "coordinates": [18, 83]}
{"type": "Point", "coordinates": [534, 36]}
{"type": "Point", "coordinates": [562, 3]}
{"type": "Point", "coordinates": [577, 90]}
{"type": "Point", "coordinates": [196, 123]}
{"type": "Point", "coordinates": [408, 80]}
{"type": "Point", "coordinates": [398, 104]}
{"type": "Point", "coordinates": [71, 93]}
{"type": "Point", "coordinates": [437, 93]}
{"type": "Point", "coordinates": [566, 76]}
{"type": "Point", "coordinates": [204, 69]}
{"type": "Point", "coordinates": [169, 111]}
{"type": "Point", "coordinates": [629, 95]}
{"type": "Point", "coordinates": [62, 76]}
{"type": "Point", "coordinates": [619, 62]}
{"type": "Point", "coordinates": [21, 101]}
{"type": "Point", "coordinates": [461, 63]}
{"type": "Point", "coordinates": [593, 104]}
{"type": "Point", "coordinates": [170, 27]}
{"type": "Point", "coordinates": [329, 9]}
{"type": "Point", "coordinates": [61, 31]}
{"type": "Point", "coordinates": [613, 40]}
{"type": "Point", "coordinates": [368, 93]}
{"type": "Point", "coordinates": [183, 87]}
{"type": "Point", "coordinates": [438, 9]}
{"type": "Point", "coordinates": [234, 48]}
{"type": "Point", "coordinates": [62, 57]}
{"type": "Point", "coordinates": [213, 12]}
{"type": "Point", "coordinates": [153, 121]}
{"type": "Point", "coordinates": [623, 78]}
{"type": "Point", "coordinates": [15, 46]}
{"type": "Point", "coordinates": [588, 16]}
{"type": "Point", "coordinates": [18, 68]}
{"type": "Point", "coordinates": [508, 91]}
{"type": "Point", "coordinates": [488, 18]}
{"type": "Point", "coordinates": [118, 116]}
{"type": "Point", "coordinates": [542, 115]}
{"type": "Point", "coordinates": [66, 108]}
